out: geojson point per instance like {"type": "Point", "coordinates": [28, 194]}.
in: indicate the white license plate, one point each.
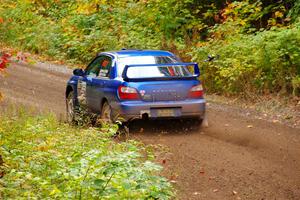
{"type": "Point", "coordinates": [165, 113]}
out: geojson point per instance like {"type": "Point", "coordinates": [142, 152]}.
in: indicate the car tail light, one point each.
{"type": "Point", "coordinates": [128, 93]}
{"type": "Point", "coordinates": [196, 91]}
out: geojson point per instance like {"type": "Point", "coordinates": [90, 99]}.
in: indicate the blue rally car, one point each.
{"type": "Point", "coordinates": [136, 84]}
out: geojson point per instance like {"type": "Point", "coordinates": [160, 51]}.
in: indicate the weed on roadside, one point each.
{"type": "Point", "coordinates": [45, 158]}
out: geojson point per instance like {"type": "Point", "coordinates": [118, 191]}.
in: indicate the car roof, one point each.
{"type": "Point", "coordinates": [128, 53]}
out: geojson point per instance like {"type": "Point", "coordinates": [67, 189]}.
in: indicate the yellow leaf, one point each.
{"type": "Point", "coordinates": [55, 191]}
{"type": "Point", "coordinates": [243, 22]}
{"type": "Point", "coordinates": [278, 14]}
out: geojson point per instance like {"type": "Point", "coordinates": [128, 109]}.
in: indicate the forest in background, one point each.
{"type": "Point", "coordinates": [256, 43]}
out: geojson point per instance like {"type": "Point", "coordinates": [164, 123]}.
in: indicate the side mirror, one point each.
{"type": "Point", "coordinates": [78, 72]}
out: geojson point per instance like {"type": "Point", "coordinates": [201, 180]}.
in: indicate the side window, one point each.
{"type": "Point", "coordinates": [94, 68]}
{"type": "Point", "coordinates": [100, 67]}
{"type": "Point", "coordinates": [105, 66]}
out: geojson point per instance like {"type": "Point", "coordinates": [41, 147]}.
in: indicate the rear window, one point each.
{"type": "Point", "coordinates": [145, 71]}
{"type": "Point", "coordinates": [159, 71]}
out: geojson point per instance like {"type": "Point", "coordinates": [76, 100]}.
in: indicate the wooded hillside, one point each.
{"type": "Point", "coordinates": [258, 42]}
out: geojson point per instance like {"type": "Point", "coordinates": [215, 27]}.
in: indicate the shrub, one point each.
{"type": "Point", "coordinates": [266, 62]}
{"type": "Point", "coordinates": [46, 159]}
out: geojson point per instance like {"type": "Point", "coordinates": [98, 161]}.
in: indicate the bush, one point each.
{"type": "Point", "coordinates": [46, 159]}
{"type": "Point", "coordinates": [266, 62]}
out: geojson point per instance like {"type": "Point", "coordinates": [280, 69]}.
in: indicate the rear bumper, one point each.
{"type": "Point", "coordinates": [128, 110]}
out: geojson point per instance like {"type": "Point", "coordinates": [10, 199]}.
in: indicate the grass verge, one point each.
{"type": "Point", "coordinates": [46, 159]}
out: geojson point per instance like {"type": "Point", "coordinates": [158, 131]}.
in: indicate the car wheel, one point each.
{"type": "Point", "coordinates": [106, 113]}
{"type": "Point", "coordinates": [70, 107]}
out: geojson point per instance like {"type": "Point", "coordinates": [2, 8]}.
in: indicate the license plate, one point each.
{"type": "Point", "coordinates": [165, 113]}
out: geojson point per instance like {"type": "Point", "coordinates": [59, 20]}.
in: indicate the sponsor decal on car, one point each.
{"type": "Point", "coordinates": [81, 91]}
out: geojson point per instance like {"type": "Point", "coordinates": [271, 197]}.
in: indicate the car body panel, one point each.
{"type": "Point", "coordinates": [135, 109]}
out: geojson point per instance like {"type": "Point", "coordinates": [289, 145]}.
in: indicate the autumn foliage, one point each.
{"type": "Point", "coordinates": [258, 41]}
{"type": "Point", "coordinates": [4, 60]}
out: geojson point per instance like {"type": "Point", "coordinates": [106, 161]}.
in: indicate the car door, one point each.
{"type": "Point", "coordinates": [97, 80]}
{"type": "Point", "coordinates": [84, 92]}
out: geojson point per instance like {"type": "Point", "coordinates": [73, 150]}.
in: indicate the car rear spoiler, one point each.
{"type": "Point", "coordinates": [196, 72]}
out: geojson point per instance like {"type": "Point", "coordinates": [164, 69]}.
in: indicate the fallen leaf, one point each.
{"type": "Point", "coordinates": [288, 117]}
{"type": "Point", "coordinates": [250, 126]}
{"type": "Point", "coordinates": [215, 190]}
{"type": "Point", "coordinates": [173, 177]}
{"type": "Point", "coordinates": [202, 171]}
{"type": "Point", "coordinates": [234, 192]}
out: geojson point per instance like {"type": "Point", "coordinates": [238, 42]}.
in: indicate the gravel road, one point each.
{"type": "Point", "coordinates": [236, 157]}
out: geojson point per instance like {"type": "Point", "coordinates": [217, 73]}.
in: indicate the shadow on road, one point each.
{"type": "Point", "coordinates": [166, 127]}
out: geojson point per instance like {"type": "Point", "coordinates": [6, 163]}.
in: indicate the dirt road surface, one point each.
{"type": "Point", "coordinates": [236, 157]}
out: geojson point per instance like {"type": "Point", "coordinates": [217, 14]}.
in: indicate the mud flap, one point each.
{"type": "Point", "coordinates": [204, 123]}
